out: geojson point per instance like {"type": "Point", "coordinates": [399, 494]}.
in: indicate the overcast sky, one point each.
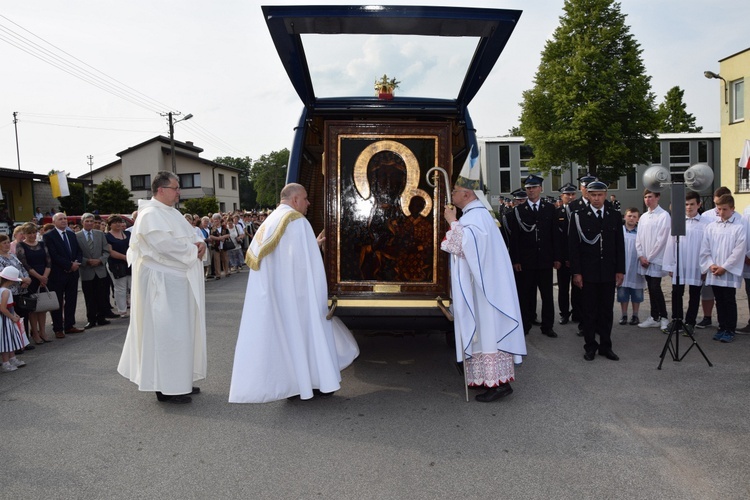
{"type": "Point", "coordinates": [216, 61]}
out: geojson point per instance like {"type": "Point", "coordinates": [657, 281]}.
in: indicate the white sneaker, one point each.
{"type": "Point", "coordinates": [649, 323]}
{"type": "Point", "coordinates": [7, 367]}
{"type": "Point", "coordinates": [664, 324]}
{"type": "Point", "coordinates": [16, 362]}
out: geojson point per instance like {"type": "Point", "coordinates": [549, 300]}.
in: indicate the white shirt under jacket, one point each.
{"type": "Point", "coordinates": [654, 228]}
{"type": "Point", "coordinates": [165, 347]}
{"type": "Point", "coordinates": [286, 346]}
{"type": "Point", "coordinates": [632, 279]}
{"type": "Point", "coordinates": [690, 249]}
{"type": "Point", "coordinates": [724, 244]}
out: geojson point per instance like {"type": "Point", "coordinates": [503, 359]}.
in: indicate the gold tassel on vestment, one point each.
{"type": "Point", "coordinates": [253, 261]}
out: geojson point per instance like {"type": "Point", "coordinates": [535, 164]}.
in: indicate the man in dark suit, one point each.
{"type": "Point", "coordinates": [534, 249]}
{"type": "Point", "coordinates": [567, 194]}
{"type": "Point", "coordinates": [94, 278]}
{"type": "Point", "coordinates": [65, 255]}
{"type": "Point", "coordinates": [597, 262]}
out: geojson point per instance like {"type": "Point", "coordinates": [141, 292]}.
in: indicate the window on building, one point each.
{"type": "Point", "coordinates": [234, 207]}
{"type": "Point", "coordinates": [504, 152]}
{"type": "Point", "coordinates": [737, 100]}
{"type": "Point", "coordinates": [140, 182]}
{"type": "Point", "coordinates": [234, 184]}
{"type": "Point", "coordinates": [222, 206]}
{"type": "Point", "coordinates": [221, 182]}
{"type": "Point", "coordinates": [190, 180]}
{"type": "Point", "coordinates": [614, 185]}
{"type": "Point", "coordinates": [526, 154]}
{"type": "Point", "coordinates": [631, 179]}
{"type": "Point", "coordinates": [656, 154]}
{"type": "Point", "coordinates": [679, 160]}
{"type": "Point", "coordinates": [556, 178]}
{"type": "Point", "coordinates": [703, 151]}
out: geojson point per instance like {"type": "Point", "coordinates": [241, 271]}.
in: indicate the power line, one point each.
{"type": "Point", "coordinates": [85, 127]}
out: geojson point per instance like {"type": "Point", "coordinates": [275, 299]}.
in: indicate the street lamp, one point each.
{"type": "Point", "coordinates": [171, 135]}
{"type": "Point", "coordinates": [710, 75]}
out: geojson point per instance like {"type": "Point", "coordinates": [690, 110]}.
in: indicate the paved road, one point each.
{"type": "Point", "coordinates": [399, 428]}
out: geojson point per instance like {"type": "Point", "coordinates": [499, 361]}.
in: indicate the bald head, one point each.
{"type": "Point", "coordinates": [295, 195]}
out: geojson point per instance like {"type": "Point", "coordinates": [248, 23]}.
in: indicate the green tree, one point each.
{"type": "Point", "coordinates": [75, 204]}
{"type": "Point", "coordinates": [673, 115]}
{"type": "Point", "coordinates": [592, 101]}
{"type": "Point", "coordinates": [111, 197]}
{"type": "Point", "coordinates": [201, 206]}
{"type": "Point", "coordinates": [248, 196]}
{"type": "Point", "coordinates": [268, 175]}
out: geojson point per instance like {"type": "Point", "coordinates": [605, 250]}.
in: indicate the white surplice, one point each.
{"type": "Point", "coordinates": [654, 228]}
{"type": "Point", "coordinates": [724, 244]}
{"type": "Point", "coordinates": [487, 316]}
{"type": "Point", "coordinates": [286, 346]}
{"type": "Point", "coordinates": [690, 248]}
{"type": "Point", "coordinates": [165, 347]}
{"type": "Point", "coordinates": [632, 279]}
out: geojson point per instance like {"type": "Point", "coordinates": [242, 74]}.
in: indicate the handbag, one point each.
{"type": "Point", "coordinates": [229, 245]}
{"type": "Point", "coordinates": [42, 301]}
{"type": "Point", "coordinates": [118, 268]}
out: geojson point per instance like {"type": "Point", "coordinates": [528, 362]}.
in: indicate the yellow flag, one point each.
{"type": "Point", "coordinates": [59, 183]}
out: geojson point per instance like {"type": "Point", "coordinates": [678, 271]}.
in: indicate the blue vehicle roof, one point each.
{"type": "Point", "coordinates": [483, 32]}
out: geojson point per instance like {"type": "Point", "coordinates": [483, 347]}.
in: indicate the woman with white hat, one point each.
{"type": "Point", "coordinates": [11, 337]}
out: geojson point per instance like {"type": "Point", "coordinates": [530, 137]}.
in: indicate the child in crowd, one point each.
{"type": "Point", "coordinates": [722, 258]}
{"type": "Point", "coordinates": [690, 269]}
{"type": "Point", "coordinates": [11, 338]}
{"type": "Point", "coordinates": [634, 283]}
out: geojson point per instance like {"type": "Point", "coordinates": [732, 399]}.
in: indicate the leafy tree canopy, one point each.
{"type": "Point", "coordinates": [111, 196]}
{"type": "Point", "coordinates": [201, 206]}
{"type": "Point", "coordinates": [268, 175]}
{"type": "Point", "coordinates": [75, 204]}
{"type": "Point", "coordinates": [673, 115]}
{"type": "Point", "coordinates": [591, 102]}
{"type": "Point", "coordinates": [248, 195]}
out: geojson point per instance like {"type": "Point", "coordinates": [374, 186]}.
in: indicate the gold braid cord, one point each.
{"type": "Point", "coordinates": [269, 246]}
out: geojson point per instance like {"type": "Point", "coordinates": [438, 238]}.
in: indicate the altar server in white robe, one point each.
{"type": "Point", "coordinates": [487, 315]}
{"type": "Point", "coordinates": [286, 347]}
{"type": "Point", "coordinates": [722, 258]}
{"type": "Point", "coordinates": [165, 347]}
{"type": "Point", "coordinates": [690, 269]}
{"type": "Point", "coordinates": [653, 232]}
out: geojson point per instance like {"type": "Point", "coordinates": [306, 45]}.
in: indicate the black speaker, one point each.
{"type": "Point", "coordinates": [678, 209]}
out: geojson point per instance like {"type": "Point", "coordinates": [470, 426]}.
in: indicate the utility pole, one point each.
{"type": "Point", "coordinates": [91, 168]}
{"type": "Point", "coordinates": [18, 154]}
{"type": "Point", "coordinates": [170, 118]}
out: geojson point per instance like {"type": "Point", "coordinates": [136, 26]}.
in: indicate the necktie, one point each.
{"type": "Point", "coordinates": [535, 209]}
{"type": "Point", "coordinates": [599, 213]}
{"type": "Point", "coordinates": [90, 240]}
{"type": "Point", "coordinates": [67, 243]}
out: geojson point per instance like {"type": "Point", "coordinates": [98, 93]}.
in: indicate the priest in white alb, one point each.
{"type": "Point", "coordinates": [487, 315]}
{"type": "Point", "coordinates": [286, 347]}
{"type": "Point", "coordinates": [165, 347]}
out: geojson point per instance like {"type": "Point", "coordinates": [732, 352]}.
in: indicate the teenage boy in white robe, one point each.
{"type": "Point", "coordinates": [722, 258]}
{"type": "Point", "coordinates": [653, 232]}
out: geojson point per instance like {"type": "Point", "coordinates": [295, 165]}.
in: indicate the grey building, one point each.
{"type": "Point", "coordinates": [505, 163]}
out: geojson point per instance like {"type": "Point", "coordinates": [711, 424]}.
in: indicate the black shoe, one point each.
{"type": "Point", "coordinates": [90, 324]}
{"type": "Point", "coordinates": [103, 322]}
{"type": "Point", "coordinates": [609, 355]}
{"type": "Point", "coordinates": [579, 333]}
{"type": "Point", "coordinates": [494, 393]}
{"type": "Point", "coordinates": [111, 315]}
{"type": "Point", "coordinates": [634, 320]}
{"type": "Point", "coordinates": [706, 321]}
{"type": "Point", "coordinates": [196, 390]}
{"type": "Point", "coordinates": [589, 356]}
{"type": "Point", "coordinates": [318, 392]}
{"type": "Point", "coordinates": [180, 399]}
{"type": "Point", "coordinates": [624, 320]}
{"type": "Point", "coordinates": [550, 333]}
{"type": "Point", "coordinates": [28, 348]}
{"type": "Point", "coordinates": [536, 322]}
{"type": "Point", "coordinates": [564, 320]}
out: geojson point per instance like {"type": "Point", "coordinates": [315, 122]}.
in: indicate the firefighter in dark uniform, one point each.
{"type": "Point", "coordinates": [519, 196]}
{"type": "Point", "coordinates": [535, 248]}
{"type": "Point", "coordinates": [597, 263]}
{"type": "Point", "coordinates": [567, 194]}
{"type": "Point", "coordinates": [581, 203]}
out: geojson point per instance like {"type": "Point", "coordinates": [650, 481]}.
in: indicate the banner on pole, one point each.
{"type": "Point", "coordinates": [59, 183]}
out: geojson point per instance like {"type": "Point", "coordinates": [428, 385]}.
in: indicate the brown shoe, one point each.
{"type": "Point", "coordinates": [59, 335]}
{"type": "Point", "coordinates": [73, 329]}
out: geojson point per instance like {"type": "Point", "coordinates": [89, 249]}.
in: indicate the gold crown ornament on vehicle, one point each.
{"type": "Point", "coordinates": [385, 87]}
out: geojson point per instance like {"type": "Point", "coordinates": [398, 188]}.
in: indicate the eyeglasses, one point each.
{"type": "Point", "coordinates": [178, 188]}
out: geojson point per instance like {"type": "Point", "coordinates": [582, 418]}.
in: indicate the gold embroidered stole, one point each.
{"type": "Point", "coordinates": [266, 247]}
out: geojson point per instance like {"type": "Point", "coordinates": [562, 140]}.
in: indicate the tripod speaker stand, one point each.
{"type": "Point", "coordinates": [672, 345]}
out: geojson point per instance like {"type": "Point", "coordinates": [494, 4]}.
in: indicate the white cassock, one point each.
{"type": "Point", "coordinates": [165, 347]}
{"type": "Point", "coordinates": [654, 228]}
{"type": "Point", "coordinates": [690, 248]}
{"type": "Point", "coordinates": [487, 316]}
{"type": "Point", "coordinates": [632, 279]}
{"type": "Point", "coordinates": [286, 346]}
{"type": "Point", "coordinates": [724, 244]}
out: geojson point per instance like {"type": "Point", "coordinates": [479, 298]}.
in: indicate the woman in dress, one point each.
{"type": "Point", "coordinates": [235, 254]}
{"type": "Point", "coordinates": [119, 241]}
{"type": "Point", "coordinates": [16, 288]}
{"type": "Point", "coordinates": [35, 258]}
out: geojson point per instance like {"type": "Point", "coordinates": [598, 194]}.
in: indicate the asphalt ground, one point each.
{"type": "Point", "coordinates": [399, 428]}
